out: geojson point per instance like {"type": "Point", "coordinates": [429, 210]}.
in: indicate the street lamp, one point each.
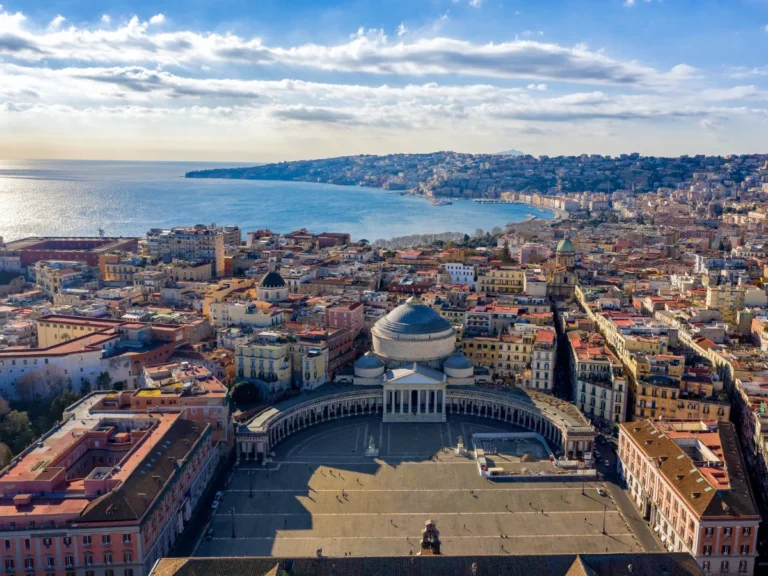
{"type": "Point", "coordinates": [605, 508]}
{"type": "Point", "coordinates": [250, 484]}
{"type": "Point", "coordinates": [233, 522]}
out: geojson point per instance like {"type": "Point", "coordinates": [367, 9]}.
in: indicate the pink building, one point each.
{"type": "Point", "coordinates": [348, 315]}
{"type": "Point", "coordinates": [104, 493]}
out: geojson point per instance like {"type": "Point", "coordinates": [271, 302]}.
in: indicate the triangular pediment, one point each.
{"type": "Point", "coordinates": [414, 374]}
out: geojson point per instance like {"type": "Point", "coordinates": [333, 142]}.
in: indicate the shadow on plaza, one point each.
{"type": "Point", "coordinates": [269, 499]}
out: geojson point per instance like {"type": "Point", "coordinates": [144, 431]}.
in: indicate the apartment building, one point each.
{"type": "Point", "coordinates": [501, 280]}
{"type": "Point", "coordinates": [689, 481]}
{"type": "Point", "coordinates": [189, 243]}
{"type": "Point", "coordinates": [105, 493]}
{"type": "Point", "coordinates": [254, 314]}
{"type": "Point", "coordinates": [461, 273]}
{"type": "Point", "coordinates": [598, 381]}
{"type": "Point", "coordinates": [543, 361]}
{"type": "Point", "coordinates": [346, 315]}
{"type": "Point", "coordinates": [726, 298]}
{"type": "Point", "coordinates": [278, 361]}
{"type": "Point", "coordinates": [54, 276]}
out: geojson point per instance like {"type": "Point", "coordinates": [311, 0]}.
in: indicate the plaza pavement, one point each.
{"type": "Point", "coordinates": [322, 492]}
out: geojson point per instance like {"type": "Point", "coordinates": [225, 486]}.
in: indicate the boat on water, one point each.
{"type": "Point", "coordinates": [439, 202]}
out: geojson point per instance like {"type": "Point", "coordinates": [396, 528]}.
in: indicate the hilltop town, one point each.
{"type": "Point", "coordinates": [455, 175]}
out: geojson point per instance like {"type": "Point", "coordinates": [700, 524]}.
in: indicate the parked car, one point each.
{"type": "Point", "coordinates": [215, 504]}
{"type": "Point", "coordinates": [209, 534]}
{"type": "Point", "coordinates": [219, 494]}
{"type": "Point", "coordinates": [597, 454]}
{"type": "Point", "coordinates": [607, 463]}
{"type": "Point", "coordinates": [602, 492]}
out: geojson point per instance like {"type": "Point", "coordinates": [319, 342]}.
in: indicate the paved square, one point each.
{"type": "Point", "coordinates": [322, 492]}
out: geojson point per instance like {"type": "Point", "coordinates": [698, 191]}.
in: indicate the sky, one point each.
{"type": "Point", "coordinates": [273, 80]}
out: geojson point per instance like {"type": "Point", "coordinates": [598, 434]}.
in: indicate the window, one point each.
{"type": "Point", "coordinates": [726, 549]}
{"type": "Point", "coordinates": [9, 564]}
{"type": "Point", "coordinates": [727, 531]}
{"type": "Point", "coordinates": [709, 531]}
{"type": "Point", "coordinates": [67, 541]}
{"type": "Point", "coordinates": [746, 531]}
{"type": "Point", "coordinates": [107, 557]}
{"type": "Point", "coordinates": [127, 557]}
{"type": "Point", "coordinates": [90, 573]}
{"type": "Point", "coordinates": [743, 567]}
{"type": "Point", "coordinates": [126, 538]}
{"type": "Point", "coordinates": [109, 572]}
{"type": "Point", "coordinates": [705, 566]}
{"type": "Point", "coordinates": [88, 559]}
{"type": "Point", "coordinates": [745, 548]}
{"type": "Point", "coordinates": [7, 544]}
{"type": "Point", "coordinates": [47, 542]}
{"type": "Point", "coordinates": [29, 563]}
{"type": "Point", "coordinates": [707, 549]}
{"type": "Point", "coordinates": [69, 560]}
{"type": "Point", "coordinates": [105, 539]}
{"type": "Point", "coordinates": [49, 562]}
{"type": "Point", "coordinates": [724, 566]}
{"type": "Point", "coordinates": [86, 540]}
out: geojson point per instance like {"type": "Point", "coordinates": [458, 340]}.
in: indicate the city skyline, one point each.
{"type": "Point", "coordinates": [225, 82]}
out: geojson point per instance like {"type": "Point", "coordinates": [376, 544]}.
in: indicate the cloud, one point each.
{"type": "Point", "coordinates": [56, 22]}
{"type": "Point", "coordinates": [312, 114]}
{"type": "Point", "coordinates": [402, 29]}
{"type": "Point", "coordinates": [476, 3]}
{"type": "Point", "coordinates": [367, 52]}
{"type": "Point", "coordinates": [105, 19]}
{"type": "Point", "coordinates": [539, 87]}
{"type": "Point", "coordinates": [157, 19]}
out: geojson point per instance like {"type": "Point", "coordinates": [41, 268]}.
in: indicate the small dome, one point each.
{"type": "Point", "coordinates": [566, 247]}
{"type": "Point", "coordinates": [413, 318]}
{"type": "Point", "coordinates": [272, 280]}
{"type": "Point", "coordinates": [458, 361]}
{"type": "Point", "coordinates": [369, 361]}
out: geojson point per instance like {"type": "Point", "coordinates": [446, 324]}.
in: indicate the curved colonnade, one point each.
{"type": "Point", "coordinates": [270, 427]}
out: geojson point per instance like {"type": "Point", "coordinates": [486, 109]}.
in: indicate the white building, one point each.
{"type": "Point", "coordinates": [461, 273]}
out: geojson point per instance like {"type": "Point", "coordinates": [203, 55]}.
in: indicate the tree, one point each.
{"type": "Point", "coordinates": [479, 232]}
{"type": "Point", "coordinates": [496, 231]}
{"type": "Point", "coordinates": [16, 431]}
{"type": "Point", "coordinates": [65, 336]}
{"type": "Point", "coordinates": [30, 386]}
{"type": "Point", "coordinates": [103, 381]}
{"type": "Point", "coordinates": [505, 255]}
{"type": "Point", "coordinates": [65, 399]}
{"type": "Point", "coordinates": [85, 386]}
{"type": "Point", "coordinates": [5, 455]}
{"type": "Point", "coordinates": [244, 393]}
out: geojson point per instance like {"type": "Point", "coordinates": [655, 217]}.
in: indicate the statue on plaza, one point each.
{"type": "Point", "coordinates": [460, 451]}
{"type": "Point", "coordinates": [371, 451]}
{"type": "Point", "coordinates": [430, 539]}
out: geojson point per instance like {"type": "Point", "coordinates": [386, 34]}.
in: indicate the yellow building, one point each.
{"type": "Point", "coordinates": [267, 359]}
{"type": "Point", "coordinates": [501, 280]}
{"type": "Point", "coordinates": [727, 299]}
{"type": "Point", "coordinates": [282, 360]}
{"type": "Point", "coordinates": [506, 356]}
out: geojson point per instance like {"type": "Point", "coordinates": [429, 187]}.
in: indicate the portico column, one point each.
{"type": "Point", "coordinates": [430, 398]}
{"type": "Point", "coordinates": [401, 402]}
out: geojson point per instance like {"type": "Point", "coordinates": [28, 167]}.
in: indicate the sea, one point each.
{"type": "Point", "coordinates": [78, 198]}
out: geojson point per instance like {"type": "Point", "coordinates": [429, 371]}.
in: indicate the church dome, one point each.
{"type": "Point", "coordinates": [369, 361]}
{"type": "Point", "coordinates": [272, 280]}
{"type": "Point", "coordinates": [413, 332]}
{"type": "Point", "coordinates": [566, 247]}
{"type": "Point", "coordinates": [458, 361]}
{"type": "Point", "coordinates": [413, 318]}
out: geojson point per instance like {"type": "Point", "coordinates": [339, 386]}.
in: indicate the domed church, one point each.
{"type": "Point", "coordinates": [414, 358]}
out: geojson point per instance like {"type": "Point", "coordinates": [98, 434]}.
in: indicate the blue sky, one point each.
{"type": "Point", "coordinates": [271, 80]}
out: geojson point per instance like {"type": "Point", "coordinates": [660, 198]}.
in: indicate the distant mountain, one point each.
{"type": "Point", "coordinates": [510, 152]}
